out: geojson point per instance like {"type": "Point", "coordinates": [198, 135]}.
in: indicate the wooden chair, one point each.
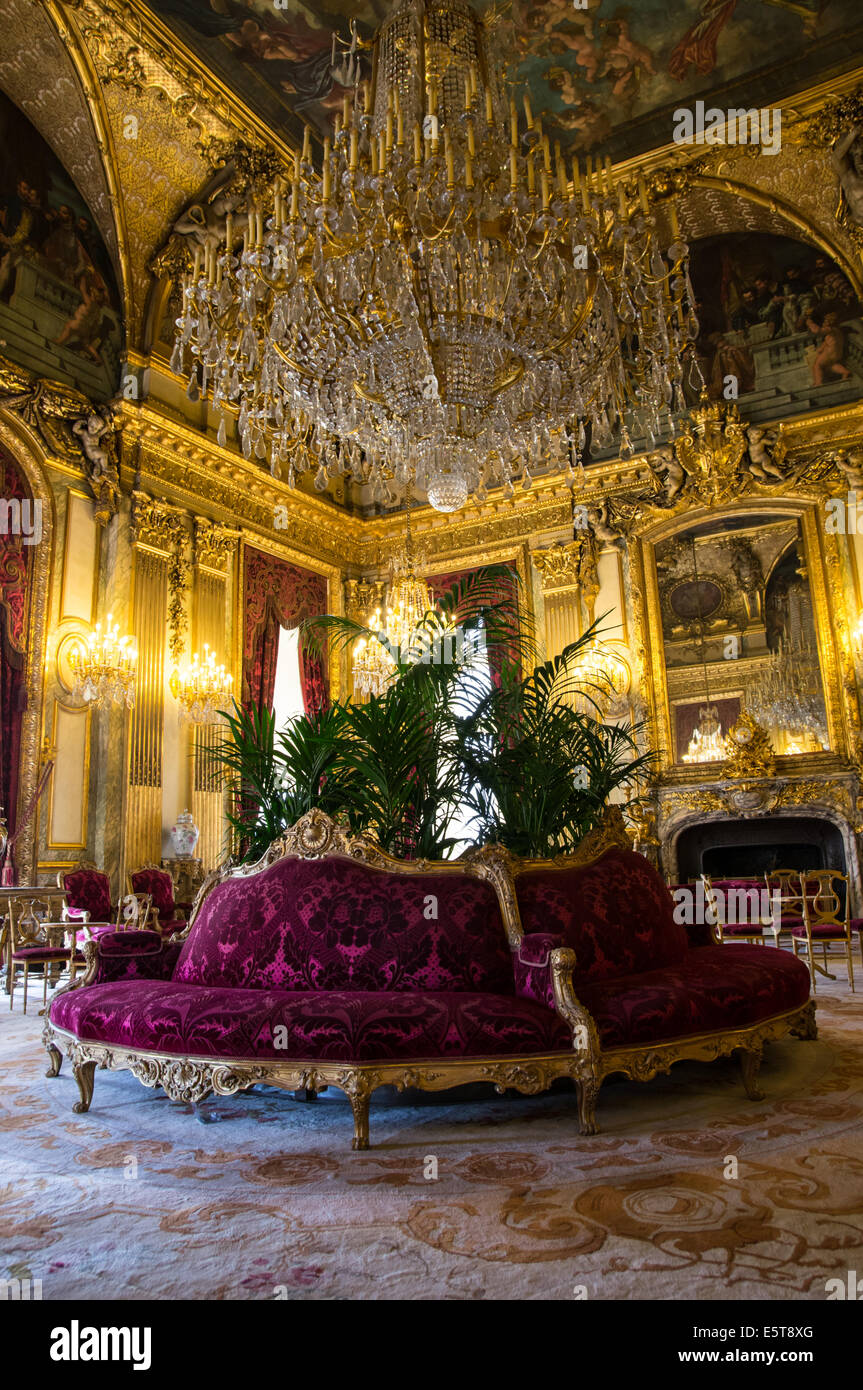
{"type": "Point", "coordinates": [825, 921]}
{"type": "Point", "coordinates": [757, 931]}
{"type": "Point", "coordinates": [38, 938]}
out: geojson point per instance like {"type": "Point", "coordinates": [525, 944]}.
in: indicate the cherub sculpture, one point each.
{"type": "Point", "coordinates": [95, 433]}
{"type": "Point", "coordinates": [668, 472]}
{"type": "Point", "coordinates": [761, 460]}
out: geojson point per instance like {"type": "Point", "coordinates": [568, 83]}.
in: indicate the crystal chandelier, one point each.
{"type": "Point", "coordinates": [606, 679]}
{"type": "Point", "coordinates": [374, 666]}
{"type": "Point", "coordinates": [788, 695]}
{"type": "Point", "coordinates": [707, 744]}
{"type": "Point", "coordinates": [202, 688]}
{"type": "Point", "coordinates": [448, 302]}
{"type": "Point", "coordinates": [105, 668]}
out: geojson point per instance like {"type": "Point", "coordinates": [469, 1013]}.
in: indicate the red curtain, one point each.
{"type": "Point", "coordinates": [14, 574]}
{"type": "Point", "coordinates": [499, 653]}
{"type": "Point", "coordinates": [277, 595]}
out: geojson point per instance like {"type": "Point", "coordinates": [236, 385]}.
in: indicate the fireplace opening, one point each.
{"type": "Point", "coordinates": [751, 848]}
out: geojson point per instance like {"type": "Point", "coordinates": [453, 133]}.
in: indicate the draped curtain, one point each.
{"type": "Point", "coordinates": [278, 594]}
{"type": "Point", "coordinates": [500, 654]}
{"type": "Point", "coordinates": [14, 576]}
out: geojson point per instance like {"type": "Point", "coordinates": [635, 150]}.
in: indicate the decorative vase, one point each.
{"type": "Point", "coordinates": [184, 836]}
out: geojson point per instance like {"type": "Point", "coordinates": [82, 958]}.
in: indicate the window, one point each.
{"type": "Point", "coordinates": [287, 688]}
{"type": "Point", "coordinates": [465, 700]}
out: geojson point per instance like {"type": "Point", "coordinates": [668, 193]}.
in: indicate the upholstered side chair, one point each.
{"type": "Point", "coordinates": [155, 881]}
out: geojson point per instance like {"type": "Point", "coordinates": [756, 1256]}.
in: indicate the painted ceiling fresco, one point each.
{"type": "Point", "coordinates": [606, 75]}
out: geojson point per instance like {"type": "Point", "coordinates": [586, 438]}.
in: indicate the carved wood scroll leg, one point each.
{"type": "Point", "coordinates": [807, 1028]}
{"type": "Point", "coordinates": [85, 1074]}
{"type": "Point", "coordinates": [358, 1092]}
{"type": "Point", "coordinates": [587, 1092]}
{"type": "Point", "coordinates": [750, 1061]}
{"type": "Point", "coordinates": [55, 1059]}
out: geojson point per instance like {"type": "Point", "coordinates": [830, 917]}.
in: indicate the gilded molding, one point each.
{"type": "Point", "coordinates": [213, 545]}
{"type": "Point", "coordinates": [157, 524]}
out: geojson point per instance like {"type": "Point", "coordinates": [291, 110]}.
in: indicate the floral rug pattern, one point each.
{"type": "Point", "coordinates": [689, 1191]}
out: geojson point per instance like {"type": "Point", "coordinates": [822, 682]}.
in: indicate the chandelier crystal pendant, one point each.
{"type": "Point", "coordinates": [202, 689]}
{"type": "Point", "coordinates": [105, 667]}
{"type": "Point", "coordinates": [449, 301]}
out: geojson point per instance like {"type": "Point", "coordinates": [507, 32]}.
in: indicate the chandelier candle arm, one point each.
{"type": "Point", "coordinates": [410, 321]}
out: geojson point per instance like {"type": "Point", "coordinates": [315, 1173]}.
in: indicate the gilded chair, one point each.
{"type": "Point", "coordinates": [757, 926]}
{"type": "Point", "coordinates": [786, 883]}
{"type": "Point", "coordinates": [38, 938]}
{"type": "Point", "coordinates": [825, 921]}
{"type": "Point", "coordinates": [158, 883]}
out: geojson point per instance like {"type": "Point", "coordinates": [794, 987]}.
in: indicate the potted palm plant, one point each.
{"type": "Point", "coordinates": [530, 767]}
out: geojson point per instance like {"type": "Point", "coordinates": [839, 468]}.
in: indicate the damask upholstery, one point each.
{"type": "Point", "coordinates": [617, 914]}
{"type": "Point", "coordinates": [532, 967]}
{"type": "Point", "coordinates": [336, 1026]}
{"type": "Point", "coordinates": [713, 989]}
{"type": "Point", "coordinates": [89, 891]}
{"type": "Point", "coordinates": [335, 924]}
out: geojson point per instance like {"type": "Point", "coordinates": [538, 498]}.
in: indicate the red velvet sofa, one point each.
{"type": "Point", "coordinates": [327, 963]}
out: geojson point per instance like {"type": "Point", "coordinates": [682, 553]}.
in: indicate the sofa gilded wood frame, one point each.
{"type": "Point", "coordinates": [190, 1077]}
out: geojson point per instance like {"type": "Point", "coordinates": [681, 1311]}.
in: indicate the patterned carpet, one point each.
{"type": "Point", "coordinates": [260, 1196]}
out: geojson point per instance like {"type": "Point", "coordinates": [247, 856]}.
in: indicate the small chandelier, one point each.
{"type": "Point", "coordinates": [450, 301]}
{"type": "Point", "coordinates": [606, 679]}
{"type": "Point", "coordinates": [707, 744]}
{"type": "Point", "coordinates": [202, 688]}
{"type": "Point", "coordinates": [374, 666]}
{"type": "Point", "coordinates": [105, 668]}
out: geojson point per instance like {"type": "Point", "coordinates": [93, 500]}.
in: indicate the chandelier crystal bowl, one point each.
{"type": "Point", "coordinates": [448, 301]}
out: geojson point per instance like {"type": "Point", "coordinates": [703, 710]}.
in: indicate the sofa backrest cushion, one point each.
{"type": "Point", "coordinates": [330, 924]}
{"type": "Point", "coordinates": [616, 914]}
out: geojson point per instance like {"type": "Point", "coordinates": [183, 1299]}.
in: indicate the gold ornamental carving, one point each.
{"type": "Point", "coordinates": [363, 597]}
{"type": "Point", "coordinates": [570, 566]}
{"type": "Point", "coordinates": [214, 545]}
{"type": "Point", "coordinates": [157, 524]}
{"type": "Point", "coordinates": [751, 750]}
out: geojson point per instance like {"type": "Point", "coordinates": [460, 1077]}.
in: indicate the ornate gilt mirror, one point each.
{"type": "Point", "coordinates": [738, 628]}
